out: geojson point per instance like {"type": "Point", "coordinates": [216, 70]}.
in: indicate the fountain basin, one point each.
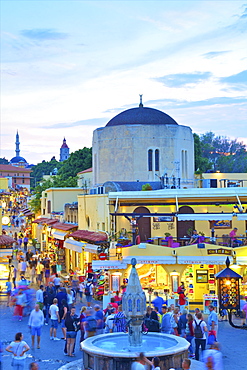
{"type": "Point", "coordinates": [111, 351]}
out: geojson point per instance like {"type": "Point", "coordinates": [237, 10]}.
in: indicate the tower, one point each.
{"type": "Point", "coordinates": [17, 145]}
{"type": "Point", "coordinates": [64, 151]}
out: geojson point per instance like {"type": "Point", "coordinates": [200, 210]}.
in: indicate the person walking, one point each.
{"type": "Point", "coordinates": [200, 328]}
{"type": "Point", "coordinates": [90, 324]}
{"type": "Point", "coordinates": [89, 292]}
{"type": "Point", "coordinates": [35, 322]}
{"type": "Point", "coordinates": [40, 297]}
{"type": "Point", "coordinates": [158, 302]}
{"type": "Point", "coordinates": [215, 354]}
{"type": "Point", "coordinates": [18, 348]}
{"type": "Point", "coordinates": [82, 317]}
{"type": "Point", "coordinates": [25, 242]}
{"type": "Point", "coordinates": [189, 334]}
{"type": "Point", "coordinates": [213, 320]}
{"type": "Point", "coordinates": [166, 327]}
{"type": "Point", "coordinates": [20, 304]}
{"type": "Point", "coordinates": [151, 320]}
{"type": "Point", "coordinates": [14, 275]}
{"type": "Point", "coordinates": [81, 290]}
{"type": "Point", "coordinates": [49, 295]}
{"type": "Point", "coordinates": [62, 313]}
{"type": "Point", "coordinates": [54, 312]}
{"type": "Point", "coordinates": [99, 316]}
{"type": "Point", "coordinates": [109, 321]}
{"type": "Point", "coordinates": [182, 321]}
{"type": "Point", "coordinates": [72, 324]}
{"type": "Point", "coordinates": [8, 290]}
{"type": "Point", "coordinates": [39, 271]}
{"type": "Point", "coordinates": [120, 323]}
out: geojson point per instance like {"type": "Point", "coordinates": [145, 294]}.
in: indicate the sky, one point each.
{"type": "Point", "coordinates": [68, 67]}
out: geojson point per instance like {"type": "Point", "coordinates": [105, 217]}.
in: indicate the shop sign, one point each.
{"type": "Point", "coordinates": [102, 256]}
{"type": "Point", "coordinates": [220, 251]}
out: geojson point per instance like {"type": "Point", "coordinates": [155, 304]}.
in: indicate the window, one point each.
{"type": "Point", "coordinates": [157, 160]}
{"type": "Point", "coordinates": [103, 226]}
{"type": "Point", "coordinates": [49, 206]}
{"type": "Point", "coordinates": [201, 276]}
{"type": "Point", "coordinates": [23, 181]}
{"type": "Point", "coordinates": [68, 218]}
{"type": "Point", "coordinates": [75, 221]}
{"type": "Point", "coordinates": [150, 160]}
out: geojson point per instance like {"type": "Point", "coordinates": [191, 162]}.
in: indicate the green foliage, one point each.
{"type": "Point", "coordinates": [146, 187]}
{"type": "Point", "coordinates": [44, 168]}
{"type": "Point", "coordinates": [219, 153]}
{"type": "Point", "coordinates": [77, 162]}
{"type": "Point", "coordinates": [4, 161]}
{"type": "Point", "coordinates": [202, 164]}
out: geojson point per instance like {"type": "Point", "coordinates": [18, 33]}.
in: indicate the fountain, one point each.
{"type": "Point", "coordinates": [117, 351]}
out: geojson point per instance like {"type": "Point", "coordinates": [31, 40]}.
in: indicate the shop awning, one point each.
{"type": "Point", "coordinates": [64, 226]}
{"type": "Point", "coordinates": [90, 236]}
{"type": "Point", "coordinates": [241, 260]}
{"type": "Point", "coordinates": [91, 248]}
{"type": "Point", "coordinates": [152, 260]}
{"type": "Point", "coordinates": [58, 234]}
{"type": "Point", "coordinates": [205, 217]}
{"type": "Point", "coordinates": [241, 216]}
{"type": "Point", "coordinates": [76, 246]}
{"type": "Point", "coordinates": [203, 260]}
{"type": "Point", "coordinates": [108, 265]}
{"type": "Point", "coordinates": [73, 245]}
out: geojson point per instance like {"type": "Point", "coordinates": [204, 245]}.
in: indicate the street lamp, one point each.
{"type": "Point", "coordinates": [229, 292]}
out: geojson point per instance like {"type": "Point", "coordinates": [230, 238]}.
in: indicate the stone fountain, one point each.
{"type": "Point", "coordinates": [117, 351]}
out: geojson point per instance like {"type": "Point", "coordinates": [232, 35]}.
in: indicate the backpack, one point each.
{"type": "Point", "coordinates": [198, 330]}
{"type": "Point", "coordinates": [87, 289]}
{"type": "Point", "coordinates": [91, 324]}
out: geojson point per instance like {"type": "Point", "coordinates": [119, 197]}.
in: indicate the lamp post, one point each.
{"type": "Point", "coordinates": [229, 292]}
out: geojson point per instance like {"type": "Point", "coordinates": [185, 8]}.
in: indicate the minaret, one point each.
{"type": "Point", "coordinates": [17, 143]}
{"type": "Point", "coordinates": [64, 151]}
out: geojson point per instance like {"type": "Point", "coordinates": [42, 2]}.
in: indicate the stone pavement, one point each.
{"type": "Point", "coordinates": [51, 357]}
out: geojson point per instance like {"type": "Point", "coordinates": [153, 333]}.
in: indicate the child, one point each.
{"type": "Point", "coordinates": [186, 364]}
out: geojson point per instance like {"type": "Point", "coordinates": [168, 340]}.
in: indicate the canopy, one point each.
{"type": "Point", "coordinates": [202, 260]}
{"type": "Point", "coordinates": [152, 260]}
{"type": "Point", "coordinates": [90, 236]}
{"type": "Point", "coordinates": [108, 265]}
{"type": "Point", "coordinates": [77, 246]}
{"type": "Point", "coordinates": [205, 217]}
{"type": "Point", "coordinates": [6, 240]}
{"type": "Point", "coordinates": [242, 216]}
{"type": "Point", "coordinates": [59, 234]}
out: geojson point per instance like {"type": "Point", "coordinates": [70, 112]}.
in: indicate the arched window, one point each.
{"type": "Point", "coordinates": [150, 160]}
{"type": "Point", "coordinates": [157, 160]}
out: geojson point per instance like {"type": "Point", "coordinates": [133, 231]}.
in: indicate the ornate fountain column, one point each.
{"type": "Point", "coordinates": [134, 307]}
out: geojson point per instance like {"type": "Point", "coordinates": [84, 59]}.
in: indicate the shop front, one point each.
{"type": "Point", "coordinates": [194, 265]}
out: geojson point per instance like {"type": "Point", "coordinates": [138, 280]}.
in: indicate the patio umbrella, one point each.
{"type": "Point", "coordinates": [6, 240]}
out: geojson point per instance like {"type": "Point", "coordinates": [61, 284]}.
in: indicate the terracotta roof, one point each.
{"type": "Point", "coordinates": [40, 220]}
{"type": "Point", "coordinates": [85, 171]}
{"type": "Point", "coordinates": [63, 226]}
{"type": "Point", "coordinates": [6, 240]}
{"type": "Point", "coordinates": [90, 236]}
{"type": "Point", "coordinates": [50, 221]}
{"type": "Point", "coordinates": [8, 167]}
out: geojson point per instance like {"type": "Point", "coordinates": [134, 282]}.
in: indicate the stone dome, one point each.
{"type": "Point", "coordinates": [18, 160]}
{"type": "Point", "coordinates": [141, 116]}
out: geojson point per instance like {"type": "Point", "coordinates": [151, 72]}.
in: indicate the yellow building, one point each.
{"type": "Point", "coordinates": [3, 183]}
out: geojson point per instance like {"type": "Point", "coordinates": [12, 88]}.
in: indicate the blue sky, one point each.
{"type": "Point", "coordinates": [69, 66]}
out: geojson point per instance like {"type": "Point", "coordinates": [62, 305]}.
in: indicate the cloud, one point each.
{"type": "Point", "coordinates": [237, 81]}
{"type": "Point", "coordinates": [182, 79]}
{"type": "Point", "coordinates": [87, 122]}
{"type": "Point", "coordinates": [44, 34]}
{"type": "Point", "coordinates": [173, 103]}
{"type": "Point", "coordinates": [214, 54]}
{"type": "Point", "coordinates": [244, 15]}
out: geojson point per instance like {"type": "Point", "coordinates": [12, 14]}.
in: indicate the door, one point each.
{"type": "Point", "coordinates": [144, 224]}
{"type": "Point", "coordinates": [183, 226]}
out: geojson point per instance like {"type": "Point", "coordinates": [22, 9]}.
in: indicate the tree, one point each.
{"type": "Point", "coordinates": [4, 161]}
{"type": "Point", "coordinates": [44, 168]}
{"type": "Point", "coordinates": [77, 161]}
{"type": "Point", "coordinates": [219, 153]}
{"type": "Point", "coordinates": [202, 164]}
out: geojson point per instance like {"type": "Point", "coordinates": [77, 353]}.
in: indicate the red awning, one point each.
{"type": "Point", "coordinates": [50, 221]}
{"type": "Point", "coordinates": [40, 220]}
{"type": "Point", "coordinates": [27, 214]}
{"type": "Point", "coordinates": [90, 236]}
{"type": "Point", "coordinates": [6, 240]}
{"type": "Point", "coordinates": [63, 226]}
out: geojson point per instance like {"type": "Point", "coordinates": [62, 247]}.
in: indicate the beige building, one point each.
{"type": "Point", "coordinates": [54, 199]}
{"type": "Point", "coordinates": [85, 178]}
{"type": "Point", "coordinates": [143, 144]}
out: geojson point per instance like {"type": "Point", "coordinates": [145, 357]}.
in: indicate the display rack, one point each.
{"type": "Point", "coordinates": [210, 299]}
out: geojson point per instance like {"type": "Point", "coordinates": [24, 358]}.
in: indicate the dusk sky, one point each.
{"type": "Point", "coordinates": [68, 67]}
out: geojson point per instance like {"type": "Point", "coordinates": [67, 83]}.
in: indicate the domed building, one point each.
{"type": "Point", "coordinates": [18, 161]}
{"type": "Point", "coordinates": [143, 145]}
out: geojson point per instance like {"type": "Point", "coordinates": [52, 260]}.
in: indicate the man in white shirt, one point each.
{"type": "Point", "coordinates": [215, 354]}
{"type": "Point", "coordinates": [54, 312]}
{"type": "Point", "coordinates": [35, 322]}
{"type": "Point", "coordinates": [40, 297]}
